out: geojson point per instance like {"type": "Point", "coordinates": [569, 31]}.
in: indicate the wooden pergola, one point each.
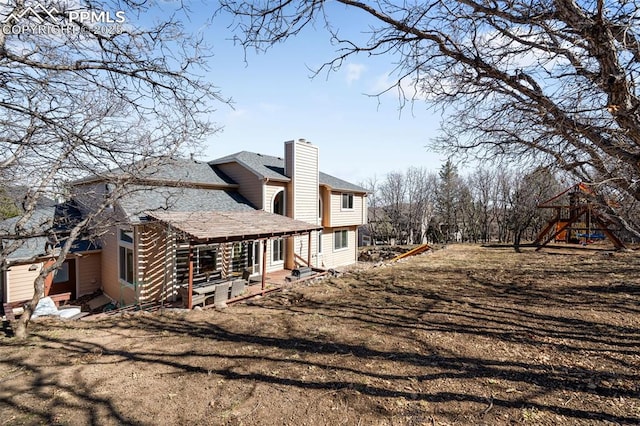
{"type": "Point", "coordinates": [210, 227]}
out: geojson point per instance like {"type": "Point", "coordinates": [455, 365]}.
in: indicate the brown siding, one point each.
{"type": "Point", "coordinates": [250, 184]}
{"type": "Point", "coordinates": [325, 193]}
{"type": "Point", "coordinates": [89, 277]}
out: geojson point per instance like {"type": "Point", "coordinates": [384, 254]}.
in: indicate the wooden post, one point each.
{"type": "Point", "coordinates": [190, 286]}
{"type": "Point", "coordinates": [309, 253]}
{"type": "Point", "coordinates": [264, 265]}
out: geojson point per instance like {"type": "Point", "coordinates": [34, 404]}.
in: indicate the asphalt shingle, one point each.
{"type": "Point", "coordinates": [180, 199]}
{"type": "Point", "coordinates": [267, 166]}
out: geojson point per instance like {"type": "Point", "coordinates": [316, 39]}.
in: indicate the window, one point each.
{"type": "Point", "coordinates": [319, 208]}
{"type": "Point", "coordinates": [319, 242]}
{"type": "Point", "coordinates": [61, 275]}
{"type": "Point", "coordinates": [207, 260]}
{"type": "Point", "coordinates": [126, 236]}
{"type": "Point", "coordinates": [278, 203]}
{"type": "Point", "coordinates": [341, 240]}
{"type": "Point", "coordinates": [125, 256]}
{"type": "Point", "coordinates": [126, 264]}
{"type": "Point", "coordinates": [347, 201]}
{"type": "Point", "coordinates": [277, 252]}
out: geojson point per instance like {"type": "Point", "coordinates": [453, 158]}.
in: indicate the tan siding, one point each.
{"type": "Point", "coordinates": [110, 280]}
{"type": "Point", "coordinates": [340, 217]}
{"type": "Point", "coordinates": [20, 281]}
{"type": "Point", "coordinates": [250, 184]}
{"type": "Point", "coordinates": [89, 277]}
{"type": "Point", "coordinates": [305, 182]}
{"type": "Point", "coordinates": [331, 258]}
{"type": "Point", "coordinates": [271, 265]}
{"type": "Point", "coordinates": [304, 194]}
{"type": "Point", "coordinates": [271, 189]}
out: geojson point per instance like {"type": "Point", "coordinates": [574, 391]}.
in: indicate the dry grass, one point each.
{"type": "Point", "coordinates": [465, 335]}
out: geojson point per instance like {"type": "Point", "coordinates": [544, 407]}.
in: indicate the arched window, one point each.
{"type": "Point", "coordinates": [278, 203]}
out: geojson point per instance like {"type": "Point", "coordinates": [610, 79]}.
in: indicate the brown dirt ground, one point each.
{"type": "Point", "coordinates": [463, 335]}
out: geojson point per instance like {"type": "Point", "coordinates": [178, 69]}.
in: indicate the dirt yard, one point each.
{"type": "Point", "coordinates": [464, 335]}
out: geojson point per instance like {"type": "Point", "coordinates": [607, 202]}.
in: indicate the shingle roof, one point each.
{"type": "Point", "coordinates": [172, 170]}
{"type": "Point", "coordinates": [337, 183]}
{"type": "Point", "coordinates": [267, 166]}
{"type": "Point", "coordinates": [144, 199]}
{"type": "Point", "coordinates": [186, 171]}
{"type": "Point", "coordinates": [59, 218]}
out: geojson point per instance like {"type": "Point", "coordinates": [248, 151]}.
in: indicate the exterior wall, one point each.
{"type": "Point", "coordinates": [19, 281]}
{"type": "Point", "coordinates": [156, 256]}
{"type": "Point", "coordinates": [332, 258]}
{"type": "Point", "coordinates": [355, 216]}
{"type": "Point", "coordinates": [123, 294]}
{"type": "Point", "coordinates": [89, 273]}
{"type": "Point", "coordinates": [89, 196]}
{"type": "Point", "coordinates": [270, 190]}
{"type": "Point", "coordinates": [301, 158]}
{"type": "Point", "coordinates": [288, 158]}
{"type": "Point", "coordinates": [325, 194]}
{"type": "Point", "coordinates": [109, 267]}
{"type": "Point", "coordinates": [250, 184]}
{"type": "Point", "coordinates": [271, 265]}
{"type": "Point", "coordinates": [305, 182]}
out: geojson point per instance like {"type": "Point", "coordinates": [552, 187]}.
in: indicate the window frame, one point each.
{"type": "Point", "coordinates": [279, 251]}
{"type": "Point", "coordinates": [348, 196]}
{"type": "Point", "coordinates": [283, 203]}
{"type": "Point", "coordinates": [126, 257]}
{"type": "Point", "coordinates": [343, 239]}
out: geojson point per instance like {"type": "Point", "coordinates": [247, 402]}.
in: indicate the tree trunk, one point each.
{"type": "Point", "coordinates": [22, 330]}
{"type": "Point", "coordinates": [517, 236]}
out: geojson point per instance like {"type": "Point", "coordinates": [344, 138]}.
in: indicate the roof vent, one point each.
{"type": "Point", "coordinates": [303, 140]}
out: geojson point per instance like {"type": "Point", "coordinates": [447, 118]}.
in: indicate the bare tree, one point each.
{"type": "Point", "coordinates": [393, 194]}
{"type": "Point", "coordinates": [550, 82]}
{"type": "Point", "coordinates": [79, 96]}
{"type": "Point", "coordinates": [448, 200]}
{"type": "Point", "coordinates": [528, 190]}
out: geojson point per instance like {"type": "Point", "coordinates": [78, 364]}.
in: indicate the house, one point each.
{"type": "Point", "coordinates": [79, 274]}
{"type": "Point", "coordinates": [185, 221]}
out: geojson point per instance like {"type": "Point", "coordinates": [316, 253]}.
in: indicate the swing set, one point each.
{"type": "Point", "coordinates": [578, 222]}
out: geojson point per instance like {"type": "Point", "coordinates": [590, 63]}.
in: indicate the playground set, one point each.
{"type": "Point", "coordinates": [579, 219]}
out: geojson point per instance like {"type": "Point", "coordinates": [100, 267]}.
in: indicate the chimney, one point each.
{"type": "Point", "coordinates": [301, 166]}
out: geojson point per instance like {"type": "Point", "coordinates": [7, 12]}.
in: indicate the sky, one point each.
{"type": "Point", "coordinates": [275, 100]}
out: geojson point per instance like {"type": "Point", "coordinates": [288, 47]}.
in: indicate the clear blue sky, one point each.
{"type": "Point", "coordinates": [276, 100]}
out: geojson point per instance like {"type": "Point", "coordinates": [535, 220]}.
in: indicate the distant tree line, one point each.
{"type": "Point", "coordinates": [485, 205]}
